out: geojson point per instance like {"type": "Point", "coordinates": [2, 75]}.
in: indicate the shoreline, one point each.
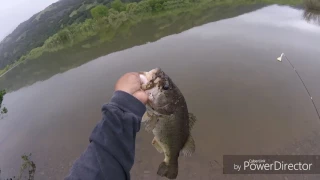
{"type": "Point", "coordinates": [9, 69]}
{"type": "Point", "coordinates": [109, 31]}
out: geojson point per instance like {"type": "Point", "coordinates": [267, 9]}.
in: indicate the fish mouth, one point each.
{"type": "Point", "coordinates": [149, 75]}
{"type": "Point", "coordinates": [150, 79]}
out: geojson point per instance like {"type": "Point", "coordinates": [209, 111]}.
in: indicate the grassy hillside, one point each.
{"type": "Point", "coordinates": [141, 33]}
{"type": "Point", "coordinates": [33, 32]}
{"type": "Point", "coordinates": [70, 22]}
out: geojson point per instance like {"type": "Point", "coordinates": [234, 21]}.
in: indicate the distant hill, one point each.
{"type": "Point", "coordinates": [55, 20]}
{"type": "Point", "coordinates": [33, 32]}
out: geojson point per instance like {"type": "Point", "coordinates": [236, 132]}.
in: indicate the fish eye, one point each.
{"type": "Point", "coordinates": [165, 86]}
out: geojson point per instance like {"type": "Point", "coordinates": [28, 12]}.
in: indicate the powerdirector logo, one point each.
{"type": "Point", "coordinates": [271, 164]}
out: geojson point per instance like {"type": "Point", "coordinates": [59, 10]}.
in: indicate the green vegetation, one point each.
{"type": "Point", "coordinates": [312, 11]}
{"type": "Point", "coordinates": [3, 110]}
{"type": "Point", "coordinates": [312, 16]}
{"type": "Point", "coordinates": [26, 165]}
{"type": "Point", "coordinates": [99, 11]}
{"type": "Point", "coordinates": [312, 4]}
{"type": "Point", "coordinates": [33, 32]}
{"type": "Point", "coordinates": [128, 35]}
{"type": "Point", "coordinates": [106, 20]}
{"type": "Point", "coordinates": [118, 5]}
{"type": "Point", "coordinates": [2, 71]}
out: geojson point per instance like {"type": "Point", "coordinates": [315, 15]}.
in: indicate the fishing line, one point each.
{"type": "Point", "coordinates": [295, 70]}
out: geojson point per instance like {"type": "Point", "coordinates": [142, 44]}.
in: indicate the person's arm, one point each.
{"type": "Point", "coordinates": [110, 154]}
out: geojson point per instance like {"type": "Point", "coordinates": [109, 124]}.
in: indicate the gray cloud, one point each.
{"type": "Point", "coordinates": [14, 12]}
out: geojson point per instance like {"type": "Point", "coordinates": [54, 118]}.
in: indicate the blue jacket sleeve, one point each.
{"type": "Point", "coordinates": [110, 154]}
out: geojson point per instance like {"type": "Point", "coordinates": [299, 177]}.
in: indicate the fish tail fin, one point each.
{"type": "Point", "coordinates": [168, 170]}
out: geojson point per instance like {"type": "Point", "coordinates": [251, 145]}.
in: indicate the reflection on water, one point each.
{"type": "Point", "coordinates": [312, 11]}
{"type": "Point", "coordinates": [312, 16]}
{"type": "Point", "coordinates": [284, 17]}
{"type": "Point", "coordinates": [147, 31]}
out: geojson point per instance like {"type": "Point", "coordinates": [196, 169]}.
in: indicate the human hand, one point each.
{"type": "Point", "coordinates": [131, 83]}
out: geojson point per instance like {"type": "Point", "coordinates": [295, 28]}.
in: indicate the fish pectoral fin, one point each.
{"type": "Point", "coordinates": [192, 120]}
{"type": "Point", "coordinates": [149, 126]}
{"type": "Point", "coordinates": [150, 123]}
{"type": "Point", "coordinates": [189, 147]}
{"type": "Point", "coordinates": [146, 117]}
{"type": "Point", "coordinates": [156, 145]}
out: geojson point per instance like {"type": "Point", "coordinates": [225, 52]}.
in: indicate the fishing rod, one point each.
{"type": "Point", "coordinates": [295, 70]}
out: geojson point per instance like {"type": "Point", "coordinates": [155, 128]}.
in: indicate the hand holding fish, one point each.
{"type": "Point", "coordinates": [169, 120]}
{"type": "Point", "coordinates": [113, 139]}
{"type": "Point", "coordinates": [131, 84]}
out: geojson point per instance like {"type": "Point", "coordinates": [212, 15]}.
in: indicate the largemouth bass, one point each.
{"type": "Point", "coordinates": [167, 117]}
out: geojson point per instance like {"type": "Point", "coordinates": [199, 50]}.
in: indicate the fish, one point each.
{"type": "Point", "coordinates": [167, 117]}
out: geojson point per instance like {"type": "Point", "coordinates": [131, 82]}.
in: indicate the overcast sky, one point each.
{"type": "Point", "coordinates": [14, 12]}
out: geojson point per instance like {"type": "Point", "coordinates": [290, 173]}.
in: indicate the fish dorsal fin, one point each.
{"type": "Point", "coordinates": [192, 120]}
{"type": "Point", "coordinates": [189, 147]}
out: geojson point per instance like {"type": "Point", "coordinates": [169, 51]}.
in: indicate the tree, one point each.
{"type": "Point", "coordinates": [143, 7]}
{"type": "Point", "coordinates": [99, 11]}
{"type": "Point", "coordinates": [156, 5]}
{"type": "Point", "coordinates": [131, 8]}
{"type": "Point", "coordinates": [118, 5]}
{"type": "Point", "coordinates": [65, 36]}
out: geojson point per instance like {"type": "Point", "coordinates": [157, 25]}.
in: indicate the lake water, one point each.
{"type": "Point", "coordinates": [245, 100]}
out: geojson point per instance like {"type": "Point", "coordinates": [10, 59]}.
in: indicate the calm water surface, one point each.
{"type": "Point", "coordinates": [245, 101]}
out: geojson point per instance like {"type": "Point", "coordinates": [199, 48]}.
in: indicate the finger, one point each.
{"type": "Point", "coordinates": [129, 82]}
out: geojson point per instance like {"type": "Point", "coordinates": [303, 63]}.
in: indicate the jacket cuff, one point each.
{"type": "Point", "coordinates": [127, 102]}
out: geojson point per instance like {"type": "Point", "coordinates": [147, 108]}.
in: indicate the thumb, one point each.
{"type": "Point", "coordinates": [141, 96]}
